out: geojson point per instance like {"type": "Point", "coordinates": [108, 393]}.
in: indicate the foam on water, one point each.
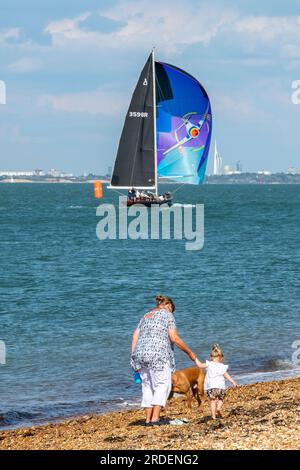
{"type": "Point", "coordinates": [183, 205]}
{"type": "Point", "coordinates": [267, 376]}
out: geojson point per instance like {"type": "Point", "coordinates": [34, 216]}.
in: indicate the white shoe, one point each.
{"type": "Point", "coordinates": [178, 422]}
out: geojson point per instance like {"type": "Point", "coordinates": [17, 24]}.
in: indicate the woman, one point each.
{"type": "Point", "coordinates": [153, 356]}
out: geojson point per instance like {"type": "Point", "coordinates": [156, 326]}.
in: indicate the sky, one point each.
{"type": "Point", "coordinates": [70, 68]}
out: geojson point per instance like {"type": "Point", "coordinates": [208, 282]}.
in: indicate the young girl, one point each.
{"type": "Point", "coordinates": [214, 385]}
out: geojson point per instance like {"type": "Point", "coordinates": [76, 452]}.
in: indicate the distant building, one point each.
{"type": "Point", "coordinates": [264, 173]}
{"type": "Point", "coordinates": [54, 173]}
{"type": "Point", "coordinates": [38, 172]}
{"type": "Point", "coordinates": [239, 166]}
{"type": "Point", "coordinates": [217, 170]}
{"type": "Point", "coordinates": [109, 173]}
{"type": "Point", "coordinates": [293, 171]}
{"type": "Point", "coordinates": [228, 170]}
{"type": "Point", "coordinates": [12, 174]}
{"type": "Point", "coordinates": [59, 174]}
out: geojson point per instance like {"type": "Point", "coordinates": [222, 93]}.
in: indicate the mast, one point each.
{"type": "Point", "coordinates": [154, 117]}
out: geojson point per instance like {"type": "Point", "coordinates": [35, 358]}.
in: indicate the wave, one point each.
{"type": "Point", "coordinates": [9, 418]}
{"type": "Point", "coordinates": [14, 419]}
{"type": "Point", "coordinates": [268, 370]}
{"type": "Point", "coordinates": [177, 204]}
{"type": "Point", "coordinates": [10, 243]}
{"type": "Point", "coordinates": [271, 369]}
{"type": "Point", "coordinates": [279, 369]}
{"type": "Point", "coordinates": [278, 364]}
{"type": "Point", "coordinates": [130, 404]}
{"type": "Point", "coordinates": [253, 377]}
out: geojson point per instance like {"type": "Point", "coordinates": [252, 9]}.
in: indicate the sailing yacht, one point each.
{"type": "Point", "coordinates": [166, 134]}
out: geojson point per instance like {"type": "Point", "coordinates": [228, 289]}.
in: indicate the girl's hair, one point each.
{"type": "Point", "coordinates": [216, 351]}
{"type": "Point", "coordinates": [163, 299]}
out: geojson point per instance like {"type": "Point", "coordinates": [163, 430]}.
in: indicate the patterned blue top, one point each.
{"type": "Point", "coordinates": [154, 348]}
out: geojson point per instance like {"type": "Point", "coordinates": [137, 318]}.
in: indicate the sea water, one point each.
{"type": "Point", "coordinates": [70, 302]}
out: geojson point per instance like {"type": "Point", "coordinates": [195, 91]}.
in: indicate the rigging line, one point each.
{"type": "Point", "coordinates": [161, 95]}
{"type": "Point", "coordinates": [159, 88]}
{"type": "Point", "coordinates": [116, 191]}
{"type": "Point", "coordinates": [180, 186]}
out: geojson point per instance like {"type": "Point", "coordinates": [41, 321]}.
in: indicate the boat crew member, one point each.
{"type": "Point", "coordinates": [132, 194]}
{"type": "Point", "coordinates": [144, 196]}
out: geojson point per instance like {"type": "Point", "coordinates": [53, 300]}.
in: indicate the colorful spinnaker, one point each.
{"type": "Point", "coordinates": [184, 125]}
{"type": "Point", "coordinates": [167, 130]}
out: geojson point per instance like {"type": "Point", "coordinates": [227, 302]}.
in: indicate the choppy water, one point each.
{"type": "Point", "coordinates": [69, 302]}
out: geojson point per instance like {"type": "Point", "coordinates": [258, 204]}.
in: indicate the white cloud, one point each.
{"type": "Point", "coordinates": [249, 62]}
{"type": "Point", "coordinates": [66, 26]}
{"type": "Point", "coordinates": [172, 28]}
{"type": "Point", "coordinates": [267, 104]}
{"type": "Point", "coordinates": [26, 64]}
{"type": "Point", "coordinates": [102, 102]}
{"type": "Point", "coordinates": [268, 27]}
{"type": "Point", "coordinates": [290, 51]}
{"type": "Point", "coordinates": [12, 33]}
{"type": "Point", "coordinates": [238, 107]}
{"type": "Point", "coordinates": [271, 34]}
{"type": "Point", "coordinates": [175, 26]}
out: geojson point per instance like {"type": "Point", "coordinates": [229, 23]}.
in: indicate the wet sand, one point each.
{"type": "Point", "coordinates": [257, 416]}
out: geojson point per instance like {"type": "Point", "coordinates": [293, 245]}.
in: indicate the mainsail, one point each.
{"type": "Point", "coordinates": [135, 164]}
{"type": "Point", "coordinates": [184, 125]}
{"type": "Point", "coordinates": [167, 130]}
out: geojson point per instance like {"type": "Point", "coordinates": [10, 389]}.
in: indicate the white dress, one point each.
{"type": "Point", "coordinates": [215, 375]}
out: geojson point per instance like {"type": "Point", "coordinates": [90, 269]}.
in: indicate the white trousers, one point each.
{"type": "Point", "coordinates": [156, 386]}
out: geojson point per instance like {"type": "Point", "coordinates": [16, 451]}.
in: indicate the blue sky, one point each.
{"type": "Point", "coordinates": [70, 68]}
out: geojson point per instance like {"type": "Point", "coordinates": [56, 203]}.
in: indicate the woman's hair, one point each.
{"type": "Point", "coordinates": [163, 300]}
{"type": "Point", "coordinates": [216, 351]}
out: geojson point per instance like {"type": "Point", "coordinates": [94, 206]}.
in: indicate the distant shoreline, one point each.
{"type": "Point", "coordinates": [232, 178]}
{"type": "Point", "coordinates": [52, 182]}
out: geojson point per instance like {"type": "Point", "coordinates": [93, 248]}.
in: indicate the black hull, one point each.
{"type": "Point", "coordinates": [149, 203]}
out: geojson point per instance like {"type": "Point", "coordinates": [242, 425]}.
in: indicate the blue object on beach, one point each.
{"type": "Point", "coordinates": [137, 378]}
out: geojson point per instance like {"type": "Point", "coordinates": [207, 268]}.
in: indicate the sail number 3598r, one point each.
{"type": "Point", "coordinates": [137, 114]}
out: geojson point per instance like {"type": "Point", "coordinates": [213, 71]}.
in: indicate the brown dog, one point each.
{"type": "Point", "coordinates": [189, 382]}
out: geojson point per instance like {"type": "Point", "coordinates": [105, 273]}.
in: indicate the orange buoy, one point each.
{"type": "Point", "coordinates": [98, 190]}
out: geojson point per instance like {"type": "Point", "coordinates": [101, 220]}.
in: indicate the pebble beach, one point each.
{"type": "Point", "coordinates": [257, 416]}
